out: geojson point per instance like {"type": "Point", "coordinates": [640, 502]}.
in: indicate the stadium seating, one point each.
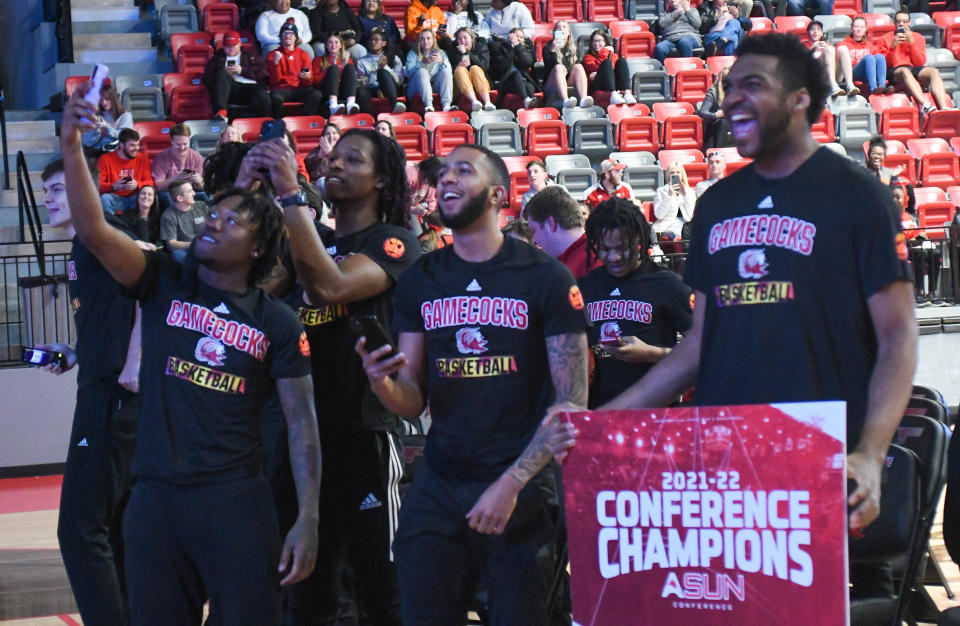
{"type": "Point", "coordinates": [192, 58]}
{"type": "Point", "coordinates": [932, 216]}
{"type": "Point", "coordinates": [850, 8]}
{"type": "Point", "coordinates": [835, 27]}
{"type": "Point", "coordinates": [939, 166]}
{"type": "Point", "coordinates": [249, 127]}
{"type": "Point", "coordinates": [635, 129]}
{"type": "Point", "coordinates": [154, 136]}
{"type": "Point", "coordinates": [544, 131]}
{"type": "Point", "coordinates": [354, 120]}
{"type": "Point", "coordinates": [824, 130]}
{"type": "Point", "coordinates": [944, 124]}
{"type": "Point", "coordinates": [591, 132]}
{"type": "Point", "coordinates": [878, 24]}
{"type": "Point", "coordinates": [604, 10]}
{"type": "Point", "coordinates": [448, 129]}
{"type": "Point", "coordinates": [796, 24]}
{"type": "Point", "coordinates": [573, 171]}
{"type": "Point", "coordinates": [519, 183]}
{"type": "Point", "coordinates": [221, 17]}
{"type": "Point", "coordinates": [925, 25]}
{"type": "Point", "coordinates": [900, 122]}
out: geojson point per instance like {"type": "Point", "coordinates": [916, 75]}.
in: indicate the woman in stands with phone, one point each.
{"type": "Point", "coordinates": [867, 57]}
{"type": "Point", "coordinates": [112, 119]}
{"type": "Point", "coordinates": [606, 70]}
{"type": "Point", "coordinates": [379, 73]}
{"type": "Point", "coordinates": [673, 204]}
{"type": "Point", "coordinates": [470, 58]}
{"type": "Point", "coordinates": [428, 68]}
{"type": "Point", "coordinates": [336, 77]}
{"type": "Point", "coordinates": [561, 69]}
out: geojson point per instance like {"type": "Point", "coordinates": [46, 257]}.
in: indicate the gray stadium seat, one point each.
{"type": "Point", "coordinates": [577, 180]}
{"type": "Point", "coordinates": [557, 162]}
{"type": "Point", "coordinates": [591, 132]}
{"type": "Point", "coordinates": [651, 85]}
{"type": "Point", "coordinates": [635, 158]}
{"type": "Point", "coordinates": [647, 10]}
{"type": "Point", "coordinates": [145, 104]}
{"type": "Point", "coordinates": [644, 180]}
{"type": "Point", "coordinates": [139, 81]}
{"type": "Point", "coordinates": [947, 65]}
{"type": "Point", "coordinates": [176, 18]}
{"type": "Point", "coordinates": [835, 27]}
{"type": "Point", "coordinates": [204, 143]}
{"type": "Point", "coordinates": [479, 118]}
{"type": "Point", "coordinates": [855, 125]}
{"type": "Point", "coordinates": [924, 24]}
{"type": "Point", "coordinates": [835, 147]}
{"type": "Point", "coordinates": [881, 6]}
{"type": "Point", "coordinates": [504, 138]}
{"type": "Point", "coordinates": [205, 126]}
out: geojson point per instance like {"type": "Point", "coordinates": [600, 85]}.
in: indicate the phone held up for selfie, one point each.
{"type": "Point", "coordinates": [370, 327]}
{"type": "Point", "coordinates": [38, 357]}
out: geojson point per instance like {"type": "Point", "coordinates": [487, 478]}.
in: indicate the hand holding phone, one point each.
{"type": "Point", "coordinates": [45, 355]}
{"type": "Point", "coordinates": [98, 75]}
{"type": "Point", "coordinates": [369, 326]}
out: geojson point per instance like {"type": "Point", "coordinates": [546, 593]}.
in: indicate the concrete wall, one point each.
{"type": "Point", "coordinates": [36, 412]}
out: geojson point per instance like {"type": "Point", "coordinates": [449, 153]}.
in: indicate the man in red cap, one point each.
{"type": "Point", "coordinates": [234, 75]}
{"type": "Point", "coordinates": [610, 185]}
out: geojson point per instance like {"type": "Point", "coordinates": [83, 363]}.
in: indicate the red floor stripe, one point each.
{"type": "Point", "coordinates": [39, 493]}
{"type": "Point", "coordinates": [69, 620]}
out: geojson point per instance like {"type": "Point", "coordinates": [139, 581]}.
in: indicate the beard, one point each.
{"type": "Point", "coordinates": [772, 133]}
{"type": "Point", "coordinates": [470, 212]}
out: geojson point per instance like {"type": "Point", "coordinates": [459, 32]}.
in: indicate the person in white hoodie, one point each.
{"type": "Point", "coordinates": [269, 23]}
{"type": "Point", "coordinates": [504, 16]}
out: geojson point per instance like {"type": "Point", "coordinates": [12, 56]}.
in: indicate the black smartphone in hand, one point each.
{"type": "Point", "coordinates": [370, 327]}
{"type": "Point", "coordinates": [38, 357]}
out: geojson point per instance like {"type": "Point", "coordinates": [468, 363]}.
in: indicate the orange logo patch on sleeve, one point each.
{"type": "Point", "coordinates": [576, 298]}
{"type": "Point", "coordinates": [304, 345]}
{"type": "Point", "coordinates": [901, 243]}
{"type": "Point", "coordinates": [394, 248]}
{"type": "Point", "coordinates": [693, 300]}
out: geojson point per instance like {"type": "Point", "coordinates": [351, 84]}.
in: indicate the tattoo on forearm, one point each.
{"type": "Point", "coordinates": [304, 445]}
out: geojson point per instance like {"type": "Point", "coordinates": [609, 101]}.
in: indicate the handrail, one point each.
{"type": "Point", "coordinates": [3, 139]}
{"type": "Point", "coordinates": [27, 206]}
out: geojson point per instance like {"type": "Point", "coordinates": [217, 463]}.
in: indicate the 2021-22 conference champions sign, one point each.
{"type": "Point", "coordinates": [709, 515]}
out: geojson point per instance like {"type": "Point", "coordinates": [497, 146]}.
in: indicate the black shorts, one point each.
{"type": "Point", "coordinates": [915, 70]}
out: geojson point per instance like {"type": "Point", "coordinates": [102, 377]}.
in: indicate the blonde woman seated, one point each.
{"type": "Point", "coordinates": [561, 69]}
{"type": "Point", "coordinates": [428, 68]}
{"type": "Point", "coordinates": [470, 59]}
{"type": "Point", "coordinates": [673, 205]}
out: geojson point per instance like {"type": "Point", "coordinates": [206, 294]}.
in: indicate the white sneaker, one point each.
{"type": "Point", "coordinates": [451, 107]}
{"type": "Point", "coordinates": [628, 97]}
{"type": "Point", "coordinates": [570, 102]}
{"type": "Point", "coordinates": [489, 107]}
{"type": "Point", "coordinates": [476, 105]}
{"type": "Point", "coordinates": [616, 98]}
{"type": "Point", "coordinates": [428, 109]}
{"type": "Point", "coordinates": [336, 108]}
{"type": "Point", "coordinates": [399, 107]}
{"type": "Point", "coordinates": [352, 107]}
{"type": "Point", "coordinates": [586, 102]}
{"type": "Point", "coordinates": [529, 103]}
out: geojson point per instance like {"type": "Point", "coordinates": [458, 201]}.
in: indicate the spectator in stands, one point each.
{"type": "Point", "coordinates": [722, 25]}
{"type": "Point", "coordinates": [428, 68]}
{"type": "Point", "coordinates": [538, 178]}
{"type": "Point", "coordinates": [876, 154]}
{"type": "Point", "coordinates": [316, 161]}
{"type": "Point", "coordinates": [147, 226]}
{"type": "Point", "coordinates": [610, 185]}
{"type": "Point", "coordinates": [830, 55]}
{"type": "Point", "coordinates": [924, 255]}
{"type": "Point", "coordinates": [269, 23]}
{"type": "Point", "coordinates": [820, 7]}
{"type": "Point", "coordinates": [678, 29]}
{"type": "Point", "coordinates": [290, 75]}
{"type": "Point", "coordinates": [606, 71]}
{"type": "Point", "coordinates": [331, 17]}
{"type": "Point", "coordinates": [518, 229]}
{"type": "Point", "coordinates": [504, 16]}
{"type": "Point", "coordinates": [336, 77]}
{"type": "Point", "coordinates": [372, 17]}
{"type": "Point", "coordinates": [463, 15]}
{"type": "Point", "coordinates": [906, 58]}
{"type": "Point", "coordinates": [560, 69]}
{"type": "Point", "coordinates": [424, 15]}
{"type": "Point", "coordinates": [470, 60]}
{"type": "Point", "coordinates": [716, 130]}
{"type": "Point", "coordinates": [182, 222]}
{"type": "Point", "coordinates": [423, 186]}
{"type": "Point", "coordinates": [229, 134]}
{"type": "Point", "coordinates": [352, 46]}
{"type": "Point", "coordinates": [234, 76]}
{"type": "Point", "coordinates": [716, 169]}
{"type": "Point", "coordinates": [557, 225]}
{"type": "Point", "coordinates": [511, 67]}
{"type": "Point", "coordinates": [866, 56]}
{"type": "Point", "coordinates": [673, 205]}
{"type": "Point", "coordinates": [379, 74]}
{"type": "Point", "coordinates": [122, 173]}
{"type": "Point", "coordinates": [112, 120]}
{"type": "Point", "coordinates": [176, 163]}
{"type": "Point", "coordinates": [585, 210]}
{"type": "Point", "coordinates": [385, 128]}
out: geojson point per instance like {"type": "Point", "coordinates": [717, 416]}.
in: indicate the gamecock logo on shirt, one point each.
{"type": "Point", "coordinates": [210, 351]}
{"type": "Point", "coordinates": [610, 331]}
{"type": "Point", "coordinates": [471, 341]}
{"type": "Point", "coordinates": [753, 263]}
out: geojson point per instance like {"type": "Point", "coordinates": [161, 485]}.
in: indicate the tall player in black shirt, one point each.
{"type": "Point", "coordinates": [96, 482]}
{"type": "Point", "coordinates": [200, 523]}
{"type": "Point", "coordinates": [798, 266]}
{"type": "Point", "coordinates": [491, 333]}
{"type": "Point", "coordinates": [350, 272]}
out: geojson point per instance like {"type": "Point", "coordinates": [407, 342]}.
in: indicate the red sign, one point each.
{"type": "Point", "coordinates": [719, 515]}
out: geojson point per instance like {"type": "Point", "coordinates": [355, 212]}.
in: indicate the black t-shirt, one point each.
{"type": "Point", "coordinates": [652, 307]}
{"type": "Point", "coordinates": [344, 400]}
{"type": "Point", "coordinates": [103, 313]}
{"type": "Point", "coordinates": [787, 267]}
{"type": "Point", "coordinates": [210, 362]}
{"type": "Point", "coordinates": [488, 378]}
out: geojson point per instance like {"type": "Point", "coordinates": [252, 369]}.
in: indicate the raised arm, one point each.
{"type": "Point", "coordinates": [118, 253]}
{"type": "Point", "coordinates": [296, 397]}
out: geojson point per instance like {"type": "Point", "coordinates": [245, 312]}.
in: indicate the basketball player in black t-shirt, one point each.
{"type": "Point", "coordinates": [349, 272]}
{"type": "Point", "coordinates": [200, 523]}
{"type": "Point", "coordinates": [491, 334]}
{"type": "Point", "coordinates": [637, 307]}
{"type": "Point", "coordinates": [799, 270]}
{"type": "Point", "coordinates": [96, 481]}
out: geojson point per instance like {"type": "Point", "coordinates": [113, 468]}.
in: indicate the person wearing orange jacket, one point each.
{"type": "Point", "coordinates": [866, 56]}
{"type": "Point", "coordinates": [291, 78]}
{"type": "Point", "coordinates": [122, 173]}
{"type": "Point", "coordinates": [424, 14]}
{"type": "Point", "coordinates": [906, 56]}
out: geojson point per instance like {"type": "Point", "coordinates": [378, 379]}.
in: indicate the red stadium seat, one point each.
{"type": "Point", "coordinates": [401, 119]}
{"type": "Point", "coordinates": [796, 24]}
{"type": "Point", "coordinates": [880, 103]}
{"type": "Point", "coordinates": [519, 183]}
{"type": "Point", "coordinates": [717, 63]}
{"type": "Point", "coordinates": [304, 122]}
{"type": "Point", "coordinates": [949, 21]}
{"type": "Point", "coordinates": [691, 156]}
{"type": "Point", "coordinates": [619, 28]}
{"type": "Point", "coordinates": [70, 85]}
{"type": "Point", "coordinates": [179, 40]}
{"type": "Point", "coordinates": [192, 58]}
{"type": "Point", "coordinates": [953, 194]}
{"type": "Point", "coordinates": [926, 195]}
{"type": "Point", "coordinates": [637, 45]}
{"type": "Point", "coordinates": [893, 161]}
{"type": "Point", "coordinates": [535, 8]}
{"type": "Point", "coordinates": [673, 65]}
{"type": "Point", "coordinates": [932, 216]}
{"type": "Point", "coordinates": [850, 8]}
{"type": "Point", "coordinates": [544, 131]}
{"type": "Point", "coordinates": [604, 10]}
{"type": "Point", "coordinates": [190, 102]}
{"type": "Point", "coordinates": [878, 24]}
{"type": "Point", "coordinates": [249, 127]}
{"type": "Point", "coordinates": [154, 136]}
{"type": "Point", "coordinates": [354, 120]}
{"type": "Point", "coordinates": [824, 130]}
{"type": "Point", "coordinates": [539, 114]}
{"type": "Point", "coordinates": [203, 4]}
{"type": "Point", "coordinates": [413, 139]}
{"type": "Point", "coordinates": [944, 124]}
{"type": "Point", "coordinates": [647, 208]}
{"type": "Point", "coordinates": [682, 131]}
{"type": "Point", "coordinates": [691, 85]}
{"type": "Point", "coordinates": [696, 172]}
{"type": "Point", "coordinates": [664, 110]}
{"type": "Point", "coordinates": [760, 25]}
{"type": "Point", "coordinates": [900, 122]}
{"type": "Point", "coordinates": [921, 147]}
{"type": "Point", "coordinates": [178, 79]}
{"type": "Point", "coordinates": [447, 136]}
{"type": "Point", "coordinates": [435, 118]}
{"type": "Point", "coordinates": [636, 131]}
{"type": "Point", "coordinates": [940, 169]}
{"type": "Point", "coordinates": [570, 10]}
{"type": "Point", "coordinates": [221, 17]}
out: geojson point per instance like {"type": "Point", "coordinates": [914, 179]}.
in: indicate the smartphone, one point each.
{"type": "Point", "coordinates": [231, 62]}
{"type": "Point", "coordinates": [675, 179]}
{"type": "Point", "coordinates": [370, 327]}
{"type": "Point", "coordinates": [38, 357]}
{"type": "Point", "coordinates": [272, 129]}
{"type": "Point", "coordinates": [558, 36]}
{"type": "Point", "coordinates": [900, 30]}
{"type": "Point", "coordinates": [98, 75]}
{"type": "Point", "coordinates": [186, 171]}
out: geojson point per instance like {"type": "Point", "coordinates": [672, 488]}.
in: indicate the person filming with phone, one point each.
{"type": "Point", "coordinates": [673, 204]}
{"type": "Point", "coordinates": [906, 54]}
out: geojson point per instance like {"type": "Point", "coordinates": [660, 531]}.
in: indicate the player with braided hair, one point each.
{"type": "Point", "coordinates": [637, 307]}
{"type": "Point", "coordinates": [345, 273]}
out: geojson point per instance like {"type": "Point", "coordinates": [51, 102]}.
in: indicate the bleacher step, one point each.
{"type": "Point", "coordinates": [114, 26]}
{"type": "Point", "coordinates": [8, 197]}
{"type": "Point", "coordinates": [30, 130]}
{"type": "Point", "coordinates": [110, 41]}
{"type": "Point", "coordinates": [35, 145]}
{"type": "Point", "coordinates": [35, 163]}
{"type": "Point", "coordinates": [103, 15]}
{"type": "Point", "coordinates": [102, 4]}
{"type": "Point", "coordinates": [113, 56]}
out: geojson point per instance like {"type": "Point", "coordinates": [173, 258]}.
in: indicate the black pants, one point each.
{"type": "Point", "coordinates": [339, 82]}
{"type": "Point", "coordinates": [96, 485]}
{"type": "Point", "coordinates": [386, 86]}
{"type": "Point", "coordinates": [440, 560]}
{"type": "Point", "coordinates": [186, 544]}
{"type": "Point", "coordinates": [309, 96]}
{"type": "Point", "coordinates": [359, 502]}
{"type": "Point", "coordinates": [224, 90]}
{"type": "Point", "coordinates": [516, 83]}
{"type": "Point", "coordinates": [611, 77]}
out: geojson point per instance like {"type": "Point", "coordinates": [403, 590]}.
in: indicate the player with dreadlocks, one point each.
{"type": "Point", "coordinates": [350, 271]}
{"type": "Point", "coordinates": [637, 307]}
